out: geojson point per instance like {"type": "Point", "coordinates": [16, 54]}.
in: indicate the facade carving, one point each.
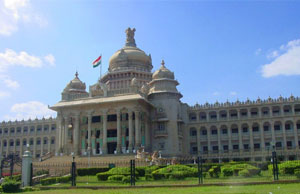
{"type": "Point", "coordinates": [130, 109]}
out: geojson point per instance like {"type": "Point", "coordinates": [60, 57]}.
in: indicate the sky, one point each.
{"type": "Point", "coordinates": [218, 50]}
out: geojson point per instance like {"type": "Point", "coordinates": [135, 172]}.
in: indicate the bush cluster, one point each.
{"type": "Point", "coordinates": [11, 186]}
{"type": "Point", "coordinates": [103, 176]}
{"type": "Point", "coordinates": [41, 172]}
{"type": "Point", "coordinates": [287, 168]}
{"type": "Point", "coordinates": [53, 180]}
{"type": "Point", "coordinates": [245, 170]}
{"type": "Point", "coordinates": [116, 178]}
{"type": "Point", "coordinates": [90, 171]}
{"type": "Point", "coordinates": [174, 172]}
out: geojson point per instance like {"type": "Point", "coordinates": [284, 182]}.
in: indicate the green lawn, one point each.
{"type": "Point", "coordinates": [251, 189]}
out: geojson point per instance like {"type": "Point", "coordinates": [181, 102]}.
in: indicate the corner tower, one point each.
{"type": "Point", "coordinates": [167, 123]}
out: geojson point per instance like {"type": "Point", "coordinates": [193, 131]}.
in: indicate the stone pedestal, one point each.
{"type": "Point", "coordinates": [26, 168]}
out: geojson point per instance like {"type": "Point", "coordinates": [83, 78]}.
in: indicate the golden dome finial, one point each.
{"type": "Point", "coordinates": [162, 62]}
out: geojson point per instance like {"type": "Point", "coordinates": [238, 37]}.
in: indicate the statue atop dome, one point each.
{"type": "Point", "coordinates": [130, 41]}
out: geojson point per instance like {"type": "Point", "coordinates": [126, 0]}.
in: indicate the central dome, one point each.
{"type": "Point", "coordinates": [130, 57]}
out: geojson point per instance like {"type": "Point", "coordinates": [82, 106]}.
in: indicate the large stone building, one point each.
{"type": "Point", "coordinates": [130, 108]}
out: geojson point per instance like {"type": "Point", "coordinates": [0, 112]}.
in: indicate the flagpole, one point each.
{"type": "Point", "coordinates": [101, 68]}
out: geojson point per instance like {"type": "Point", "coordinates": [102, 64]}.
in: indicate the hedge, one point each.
{"type": "Point", "coordinates": [90, 171]}
{"type": "Point", "coordinates": [11, 186]}
{"type": "Point", "coordinates": [53, 180]}
{"type": "Point", "coordinates": [288, 167]}
{"type": "Point", "coordinates": [116, 178]}
{"type": "Point", "coordinates": [235, 170]}
{"type": "Point", "coordinates": [174, 172]}
{"type": "Point", "coordinates": [103, 176]}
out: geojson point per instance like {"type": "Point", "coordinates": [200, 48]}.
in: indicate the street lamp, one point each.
{"type": "Point", "coordinates": [274, 161]}
{"type": "Point", "coordinates": [73, 170]}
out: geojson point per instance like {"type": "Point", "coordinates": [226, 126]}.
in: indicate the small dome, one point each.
{"type": "Point", "coordinates": [163, 72]}
{"type": "Point", "coordinates": [75, 86]}
{"type": "Point", "coordinates": [130, 55]}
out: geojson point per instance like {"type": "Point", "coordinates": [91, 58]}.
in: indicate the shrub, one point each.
{"type": "Point", "coordinates": [27, 189]}
{"type": "Point", "coordinates": [48, 181]}
{"type": "Point", "coordinates": [244, 173]}
{"type": "Point", "coordinates": [214, 171]}
{"type": "Point", "coordinates": [157, 176]}
{"type": "Point", "coordinates": [63, 179]}
{"type": "Point", "coordinates": [115, 171]}
{"type": "Point", "coordinates": [141, 170]}
{"type": "Point", "coordinates": [289, 167]}
{"type": "Point", "coordinates": [90, 171]}
{"type": "Point", "coordinates": [11, 186]}
{"type": "Point", "coordinates": [126, 179]}
{"type": "Point", "coordinates": [178, 175]}
{"type": "Point", "coordinates": [297, 173]}
{"type": "Point", "coordinates": [116, 178]}
{"type": "Point", "coordinates": [150, 169]}
{"type": "Point", "coordinates": [227, 171]}
{"type": "Point", "coordinates": [148, 177]}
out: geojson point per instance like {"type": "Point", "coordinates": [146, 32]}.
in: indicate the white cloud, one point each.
{"type": "Point", "coordinates": [258, 51]}
{"type": "Point", "coordinates": [11, 83]}
{"type": "Point", "coordinates": [273, 55]}
{"type": "Point", "coordinates": [14, 12]}
{"type": "Point", "coordinates": [31, 109]}
{"type": "Point", "coordinates": [4, 94]}
{"type": "Point", "coordinates": [50, 59]}
{"type": "Point", "coordinates": [216, 93]}
{"type": "Point", "coordinates": [286, 61]}
{"type": "Point", "coordinates": [11, 58]}
{"type": "Point", "coordinates": [233, 93]}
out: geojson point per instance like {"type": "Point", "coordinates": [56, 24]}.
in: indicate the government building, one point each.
{"type": "Point", "coordinates": [130, 109]}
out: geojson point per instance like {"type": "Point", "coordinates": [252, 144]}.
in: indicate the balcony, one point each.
{"type": "Point", "coordinates": [161, 133]}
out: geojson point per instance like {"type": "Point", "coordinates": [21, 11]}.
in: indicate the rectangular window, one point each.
{"type": "Point", "coordinates": [235, 147]}
{"type": "Point", "coordinates": [223, 115]}
{"type": "Point", "coordinates": [224, 131]}
{"type": "Point", "coordinates": [245, 130]}
{"type": "Point", "coordinates": [53, 127]}
{"type": "Point", "coordinates": [265, 112]}
{"type": "Point", "coordinates": [256, 146]}
{"type": "Point", "coordinates": [96, 119]}
{"type": "Point", "coordinates": [298, 126]}
{"type": "Point", "coordinates": [214, 132]}
{"type": "Point", "coordinates": [111, 118]}
{"type": "Point", "coordinates": [246, 146]}
{"type": "Point", "coordinates": [267, 144]}
{"type": "Point", "coordinates": [205, 148]}
{"type": "Point", "coordinates": [203, 117]}
{"type": "Point", "coordinates": [289, 143]}
{"type": "Point", "coordinates": [213, 116]}
{"type": "Point", "coordinates": [277, 127]}
{"type": "Point", "coordinates": [225, 147]}
{"type": "Point", "coordinates": [204, 132]}
{"type": "Point", "coordinates": [24, 143]}
{"type": "Point", "coordinates": [253, 113]}
{"type": "Point", "coordinates": [266, 128]}
{"type": "Point", "coordinates": [255, 129]}
{"type": "Point", "coordinates": [112, 133]}
{"type": "Point", "coordinates": [52, 141]}
{"type": "Point", "coordinates": [233, 114]}
{"type": "Point", "coordinates": [286, 110]}
{"type": "Point", "coordinates": [235, 130]}
{"type": "Point", "coordinates": [19, 130]}
{"type": "Point", "coordinates": [278, 144]}
{"type": "Point", "coordinates": [244, 113]}
{"type": "Point", "coordinates": [97, 134]}
{"type": "Point", "coordinates": [215, 148]}
{"type": "Point", "coordinates": [287, 127]}
{"type": "Point", "coordinates": [161, 126]}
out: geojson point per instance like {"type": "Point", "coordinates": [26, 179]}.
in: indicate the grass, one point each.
{"type": "Point", "coordinates": [251, 189]}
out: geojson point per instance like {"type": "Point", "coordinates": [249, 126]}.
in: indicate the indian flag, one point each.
{"type": "Point", "coordinates": [97, 62]}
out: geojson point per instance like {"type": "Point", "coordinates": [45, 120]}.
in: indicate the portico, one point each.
{"type": "Point", "coordinates": [100, 127]}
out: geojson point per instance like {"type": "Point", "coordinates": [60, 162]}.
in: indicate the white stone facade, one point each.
{"type": "Point", "coordinates": [131, 108]}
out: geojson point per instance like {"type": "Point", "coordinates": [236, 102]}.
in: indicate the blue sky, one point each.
{"type": "Point", "coordinates": [218, 50]}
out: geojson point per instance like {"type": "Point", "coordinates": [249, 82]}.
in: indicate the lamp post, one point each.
{"type": "Point", "coordinates": [73, 170]}
{"type": "Point", "coordinates": [89, 157]}
{"type": "Point", "coordinates": [274, 161]}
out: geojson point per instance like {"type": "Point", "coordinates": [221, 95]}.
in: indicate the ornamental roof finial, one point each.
{"type": "Point", "coordinates": [162, 62]}
{"type": "Point", "coordinates": [130, 41]}
{"type": "Point", "coordinates": [76, 74]}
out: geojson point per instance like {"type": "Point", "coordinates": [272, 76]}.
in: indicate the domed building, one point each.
{"type": "Point", "coordinates": [132, 109]}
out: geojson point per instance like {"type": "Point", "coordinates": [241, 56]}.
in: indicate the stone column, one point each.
{"type": "Point", "coordinates": [284, 136]}
{"type": "Point", "coordinates": [219, 139]}
{"type": "Point", "coordinates": [208, 139]}
{"type": "Point", "coordinates": [26, 168]}
{"type": "Point", "coordinates": [104, 146]}
{"type": "Point", "coordinates": [34, 147]}
{"type": "Point", "coordinates": [49, 144]}
{"type": "Point", "coordinates": [119, 131]}
{"type": "Point", "coordinates": [230, 139]}
{"type": "Point", "coordinates": [296, 134]}
{"type": "Point", "coordinates": [137, 130]}
{"type": "Point", "coordinates": [59, 133]}
{"type": "Point", "coordinates": [147, 133]}
{"type": "Point", "coordinates": [42, 147]}
{"type": "Point", "coordinates": [273, 131]}
{"type": "Point", "coordinates": [262, 136]}
{"type": "Point", "coordinates": [21, 147]}
{"type": "Point", "coordinates": [241, 147]}
{"type": "Point", "coordinates": [130, 146]}
{"type": "Point", "coordinates": [76, 135]}
{"type": "Point", "coordinates": [251, 138]}
{"type": "Point", "coordinates": [198, 141]}
{"type": "Point", "coordinates": [65, 145]}
{"type": "Point", "coordinates": [89, 131]}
